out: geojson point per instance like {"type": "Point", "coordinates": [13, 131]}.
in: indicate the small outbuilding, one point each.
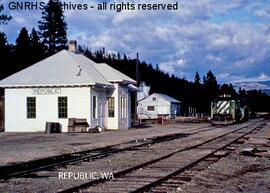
{"type": "Point", "coordinates": [157, 105]}
{"type": "Point", "coordinates": [67, 86]}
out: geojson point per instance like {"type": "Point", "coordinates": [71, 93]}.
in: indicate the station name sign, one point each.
{"type": "Point", "coordinates": [46, 91]}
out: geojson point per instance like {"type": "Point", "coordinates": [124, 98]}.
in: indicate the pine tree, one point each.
{"type": "Point", "coordinates": [125, 58]}
{"type": "Point", "coordinates": [3, 43]}
{"type": "Point", "coordinates": [227, 89]}
{"type": "Point", "coordinates": [157, 67]}
{"type": "Point", "coordinates": [197, 78]}
{"type": "Point", "coordinates": [23, 50]}
{"type": "Point", "coordinates": [53, 27]}
{"type": "Point", "coordinates": [37, 48]}
{"type": "Point", "coordinates": [211, 88]}
{"type": "Point", "coordinates": [210, 79]}
{"type": "Point", "coordinates": [118, 56]}
{"type": "Point", "coordinates": [4, 55]}
{"type": "Point", "coordinates": [3, 18]}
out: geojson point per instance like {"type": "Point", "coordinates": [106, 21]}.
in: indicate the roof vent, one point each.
{"type": "Point", "coordinates": [72, 46]}
{"type": "Point", "coordinates": [79, 71]}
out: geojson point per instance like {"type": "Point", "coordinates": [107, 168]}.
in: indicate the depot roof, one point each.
{"type": "Point", "coordinates": [65, 68]}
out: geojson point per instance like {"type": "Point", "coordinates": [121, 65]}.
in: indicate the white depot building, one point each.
{"type": "Point", "coordinates": [67, 85]}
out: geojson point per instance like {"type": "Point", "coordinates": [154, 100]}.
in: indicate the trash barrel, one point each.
{"type": "Point", "coordinates": [160, 120]}
{"type": "Point", "coordinates": [52, 127]}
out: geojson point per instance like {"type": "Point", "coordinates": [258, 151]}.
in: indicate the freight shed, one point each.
{"type": "Point", "coordinates": [157, 105]}
{"type": "Point", "coordinates": [65, 86]}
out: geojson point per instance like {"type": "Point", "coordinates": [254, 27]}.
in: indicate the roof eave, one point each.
{"type": "Point", "coordinates": [98, 85]}
{"type": "Point", "coordinates": [54, 85]}
{"type": "Point", "coordinates": [123, 81]}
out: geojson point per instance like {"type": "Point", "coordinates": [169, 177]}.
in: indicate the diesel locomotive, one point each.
{"type": "Point", "coordinates": [228, 110]}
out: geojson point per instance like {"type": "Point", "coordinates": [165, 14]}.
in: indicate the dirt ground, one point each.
{"type": "Point", "coordinates": [17, 147]}
{"type": "Point", "coordinates": [48, 181]}
{"type": "Point", "coordinates": [238, 172]}
{"type": "Point", "coordinates": [234, 173]}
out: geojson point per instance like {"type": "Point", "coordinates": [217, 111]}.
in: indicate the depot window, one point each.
{"type": "Point", "coordinates": [31, 107]}
{"type": "Point", "coordinates": [62, 107]}
{"type": "Point", "coordinates": [123, 107]}
{"type": "Point", "coordinates": [111, 106]}
{"type": "Point", "coordinates": [94, 107]}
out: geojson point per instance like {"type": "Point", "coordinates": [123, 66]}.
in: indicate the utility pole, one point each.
{"type": "Point", "coordinates": [137, 80]}
{"type": "Point", "coordinates": [137, 69]}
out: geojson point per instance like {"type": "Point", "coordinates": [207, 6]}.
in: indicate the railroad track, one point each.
{"type": "Point", "coordinates": [168, 171]}
{"type": "Point", "coordinates": [26, 168]}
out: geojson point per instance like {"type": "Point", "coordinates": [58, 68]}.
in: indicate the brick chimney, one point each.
{"type": "Point", "coordinates": [72, 46]}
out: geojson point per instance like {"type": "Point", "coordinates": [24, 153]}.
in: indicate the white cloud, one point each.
{"type": "Point", "coordinates": [181, 62]}
{"type": "Point", "coordinates": [261, 13]}
{"type": "Point", "coordinates": [263, 76]}
{"type": "Point", "coordinates": [166, 67]}
{"type": "Point", "coordinates": [213, 58]}
{"type": "Point", "coordinates": [183, 41]}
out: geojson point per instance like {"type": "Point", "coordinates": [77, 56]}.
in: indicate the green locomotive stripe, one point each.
{"type": "Point", "coordinates": [222, 106]}
{"type": "Point", "coordinates": [226, 108]}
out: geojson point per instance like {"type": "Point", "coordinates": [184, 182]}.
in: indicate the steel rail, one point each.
{"type": "Point", "coordinates": [126, 171]}
{"type": "Point", "coordinates": [159, 181]}
{"type": "Point", "coordinates": [24, 168]}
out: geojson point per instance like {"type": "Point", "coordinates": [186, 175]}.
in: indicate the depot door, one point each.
{"type": "Point", "coordinates": [101, 114]}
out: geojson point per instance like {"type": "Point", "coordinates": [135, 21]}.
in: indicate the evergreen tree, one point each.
{"type": "Point", "coordinates": [211, 84]}
{"type": "Point", "coordinates": [23, 50]}
{"type": "Point", "coordinates": [157, 67]}
{"type": "Point", "coordinates": [198, 95]}
{"type": "Point", "coordinates": [37, 48]}
{"type": "Point", "coordinates": [3, 18]}
{"type": "Point", "coordinates": [210, 80]}
{"type": "Point", "coordinates": [197, 78]}
{"type": "Point", "coordinates": [53, 27]}
{"type": "Point", "coordinates": [211, 89]}
{"type": "Point", "coordinates": [3, 44]}
{"type": "Point", "coordinates": [227, 89]}
{"type": "Point", "coordinates": [23, 40]}
{"type": "Point", "coordinates": [125, 58]}
{"type": "Point", "coordinates": [4, 55]}
{"type": "Point", "coordinates": [242, 93]}
{"type": "Point", "coordinates": [118, 56]}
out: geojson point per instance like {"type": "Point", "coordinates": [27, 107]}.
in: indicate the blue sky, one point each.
{"type": "Point", "coordinates": [231, 38]}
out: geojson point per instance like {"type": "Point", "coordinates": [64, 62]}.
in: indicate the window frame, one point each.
{"type": "Point", "coordinates": [31, 111]}
{"type": "Point", "coordinates": [95, 109]}
{"type": "Point", "coordinates": [62, 108]}
{"type": "Point", "coordinates": [111, 107]}
{"type": "Point", "coordinates": [123, 105]}
{"type": "Point", "coordinates": [152, 108]}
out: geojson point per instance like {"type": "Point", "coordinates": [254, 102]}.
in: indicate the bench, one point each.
{"type": "Point", "coordinates": [76, 125]}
